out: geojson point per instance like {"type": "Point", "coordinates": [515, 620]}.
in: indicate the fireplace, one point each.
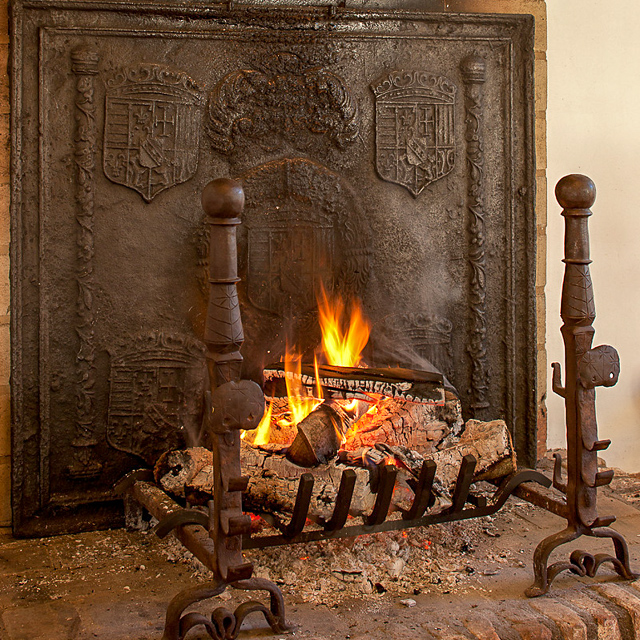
{"type": "Point", "coordinates": [386, 154]}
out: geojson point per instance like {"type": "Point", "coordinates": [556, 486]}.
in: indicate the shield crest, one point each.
{"type": "Point", "coordinates": [157, 384]}
{"type": "Point", "coordinates": [152, 129]}
{"type": "Point", "coordinates": [287, 260]}
{"type": "Point", "coordinates": [415, 126]}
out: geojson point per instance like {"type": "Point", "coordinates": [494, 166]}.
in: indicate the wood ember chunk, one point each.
{"type": "Point", "coordinates": [398, 422]}
{"type": "Point", "coordinates": [356, 382]}
{"type": "Point", "coordinates": [175, 469]}
{"type": "Point", "coordinates": [273, 485]}
{"type": "Point", "coordinates": [489, 442]}
{"type": "Point", "coordinates": [274, 480]}
{"type": "Point", "coordinates": [319, 435]}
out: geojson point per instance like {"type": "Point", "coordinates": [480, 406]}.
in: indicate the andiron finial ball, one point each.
{"type": "Point", "coordinates": [576, 192]}
{"type": "Point", "coordinates": [223, 198]}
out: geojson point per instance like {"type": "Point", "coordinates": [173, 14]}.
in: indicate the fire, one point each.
{"type": "Point", "coordinates": [342, 345]}
{"type": "Point", "coordinates": [345, 333]}
{"type": "Point", "coordinates": [300, 404]}
{"type": "Point", "coordinates": [262, 432]}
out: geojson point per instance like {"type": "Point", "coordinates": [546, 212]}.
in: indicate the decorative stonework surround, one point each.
{"type": "Point", "coordinates": [425, 228]}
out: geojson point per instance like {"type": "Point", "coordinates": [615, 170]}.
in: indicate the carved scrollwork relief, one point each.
{"type": "Point", "coordinates": [288, 102]}
{"type": "Point", "coordinates": [473, 70]}
{"type": "Point", "coordinates": [84, 465]}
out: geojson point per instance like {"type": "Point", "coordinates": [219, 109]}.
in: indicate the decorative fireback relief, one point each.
{"type": "Point", "coordinates": [386, 155]}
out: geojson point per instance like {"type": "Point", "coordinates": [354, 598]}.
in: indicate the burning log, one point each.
{"type": "Point", "coordinates": [273, 483]}
{"type": "Point", "coordinates": [320, 435]}
{"type": "Point", "coordinates": [488, 442]}
{"type": "Point", "coordinates": [274, 480]}
{"type": "Point", "coordinates": [420, 427]}
{"type": "Point", "coordinates": [354, 382]}
{"type": "Point", "coordinates": [176, 469]}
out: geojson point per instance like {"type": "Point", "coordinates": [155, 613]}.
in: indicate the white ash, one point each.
{"type": "Point", "coordinates": [437, 557]}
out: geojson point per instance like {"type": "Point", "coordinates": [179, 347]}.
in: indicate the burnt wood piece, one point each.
{"type": "Point", "coordinates": [319, 435]}
{"type": "Point", "coordinates": [488, 442]}
{"type": "Point", "coordinates": [273, 486]}
{"type": "Point", "coordinates": [421, 427]}
{"type": "Point", "coordinates": [375, 523]}
{"type": "Point", "coordinates": [586, 368]}
{"type": "Point", "coordinates": [273, 481]}
{"type": "Point", "coordinates": [354, 382]}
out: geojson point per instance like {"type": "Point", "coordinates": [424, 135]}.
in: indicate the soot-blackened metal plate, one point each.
{"type": "Point", "coordinates": [385, 153]}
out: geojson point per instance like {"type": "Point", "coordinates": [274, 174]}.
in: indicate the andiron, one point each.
{"type": "Point", "coordinates": [586, 368]}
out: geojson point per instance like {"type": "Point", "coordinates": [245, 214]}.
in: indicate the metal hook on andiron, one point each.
{"type": "Point", "coordinates": [586, 367]}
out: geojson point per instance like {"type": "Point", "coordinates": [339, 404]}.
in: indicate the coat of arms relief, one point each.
{"type": "Point", "coordinates": [152, 128]}
{"type": "Point", "coordinates": [414, 128]}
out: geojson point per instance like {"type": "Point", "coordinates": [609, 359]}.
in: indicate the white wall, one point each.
{"type": "Point", "coordinates": [594, 128]}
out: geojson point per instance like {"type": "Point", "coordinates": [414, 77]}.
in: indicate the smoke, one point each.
{"type": "Point", "coordinates": [387, 350]}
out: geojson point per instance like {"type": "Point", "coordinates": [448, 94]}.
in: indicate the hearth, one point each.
{"type": "Point", "coordinates": [386, 158]}
{"type": "Point", "coordinates": [217, 534]}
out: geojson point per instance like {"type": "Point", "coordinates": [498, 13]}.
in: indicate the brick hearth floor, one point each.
{"type": "Point", "coordinates": [115, 585]}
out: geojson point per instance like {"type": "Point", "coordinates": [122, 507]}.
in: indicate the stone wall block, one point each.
{"type": "Point", "coordinates": [623, 598]}
{"type": "Point", "coordinates": [569, 623]}
{"type": "Point", "coordinates": [541, 81]}
{"type": "Point", "coordinates": [605, 620]}
{"type": "Point", "coordinates": [541, 203]}
{"type": "Point", "coordinates": [5, 422]}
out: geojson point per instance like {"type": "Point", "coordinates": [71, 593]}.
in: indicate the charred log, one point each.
{"type": "Point", "coordinates": [353, 382]}
{"type": "Point", "coordinates": [274, 480]}
{"type": "Point", "coordinates": [320, 435]}
{"type": "Point", "coordinates": [488, 442]}
{"type": "Point", "coordinates": [420, 427]}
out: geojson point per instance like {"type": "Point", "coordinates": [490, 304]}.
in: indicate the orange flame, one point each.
{"type": "Point", "coordinates": [342, 345]}
{"type": "Point", "coordinates": [343, 340]}
{"type": "Point", "coordinates": [300, 404]}
{"type": "Point", "coordinates": [262, 432]}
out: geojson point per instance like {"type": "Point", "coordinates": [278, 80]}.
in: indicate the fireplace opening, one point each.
{"type": "Point", "coordinates": [381, 159]}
